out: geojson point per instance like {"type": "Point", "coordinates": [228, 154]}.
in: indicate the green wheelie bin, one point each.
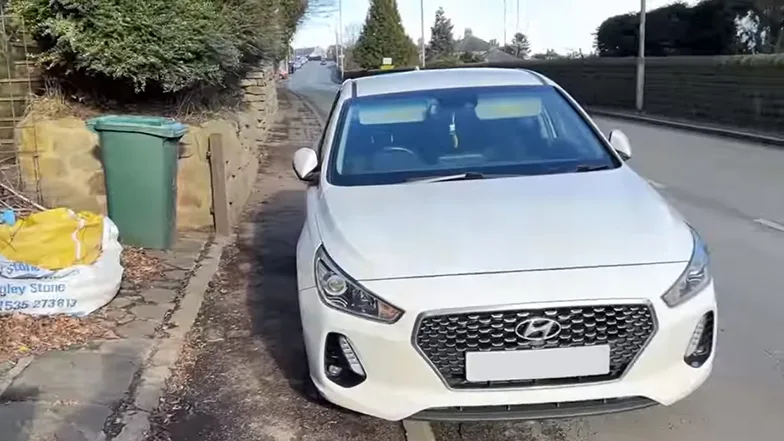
{"type": "Point", "coordinates": [139, 155]}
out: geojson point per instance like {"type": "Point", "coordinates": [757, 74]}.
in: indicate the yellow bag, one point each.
{"type": "Point", "coordinates": [53, 239]}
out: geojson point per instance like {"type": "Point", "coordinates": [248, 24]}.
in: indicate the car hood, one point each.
{"type": "Point", "coordinates": [600, 218]}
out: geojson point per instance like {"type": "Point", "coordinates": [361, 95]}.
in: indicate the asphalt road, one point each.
{"type": "Point", "coordinates": [731, 191]}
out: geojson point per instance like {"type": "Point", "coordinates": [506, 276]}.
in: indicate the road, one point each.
{"type": "Point", "coordinates": [731, 191]}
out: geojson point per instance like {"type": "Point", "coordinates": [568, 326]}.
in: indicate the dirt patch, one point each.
{"type": "Point", "coordinates": [22, 335]}
{"type": "Point", "coordinates": [140, 267]}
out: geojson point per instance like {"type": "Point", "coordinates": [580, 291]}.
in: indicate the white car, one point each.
{"type": "Point", "coordinates": [475, 248]}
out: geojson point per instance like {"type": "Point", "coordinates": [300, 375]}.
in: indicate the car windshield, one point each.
{"type": "Point", "coordinates": [482, 132]}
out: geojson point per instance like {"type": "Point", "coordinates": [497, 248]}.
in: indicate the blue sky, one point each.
{"type": "Point", "coordinates": [562, 25]}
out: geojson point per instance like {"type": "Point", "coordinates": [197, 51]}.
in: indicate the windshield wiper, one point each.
{"type": "Point", "coordinates": [458, 177]}
{"type": "Point", "coordinates": [590, 167]}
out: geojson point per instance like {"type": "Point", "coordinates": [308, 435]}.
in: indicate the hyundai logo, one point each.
{"type": "Point", "coordinates": [538, 329]}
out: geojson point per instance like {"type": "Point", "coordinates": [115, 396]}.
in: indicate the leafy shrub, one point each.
{"type": "Point", "coordinates": [166, 45]}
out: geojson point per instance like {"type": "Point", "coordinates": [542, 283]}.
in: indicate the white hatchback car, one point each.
{"type": "Point", "coordinates": [475, 248]}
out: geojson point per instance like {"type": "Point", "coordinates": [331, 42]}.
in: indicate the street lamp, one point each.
{"type": "Point", "coordinates": [641, 59]}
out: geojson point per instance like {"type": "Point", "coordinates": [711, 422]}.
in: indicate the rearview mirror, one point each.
{"type": "Point", "coordinates": [620, 143]}
{"type": "Point", "coordinates": [305, 163]}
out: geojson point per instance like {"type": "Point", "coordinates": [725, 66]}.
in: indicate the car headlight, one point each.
{"type": "Point", "coordinates": [694, 279]}
{"type": "Point", "coordinates": [339, 291]}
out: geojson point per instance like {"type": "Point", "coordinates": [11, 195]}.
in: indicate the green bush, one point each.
{"type": "Point", "coordinates": [166, 45]}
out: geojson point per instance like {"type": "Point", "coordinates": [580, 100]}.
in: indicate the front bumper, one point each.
{"type": "Point", "coordinates": [401, 384]}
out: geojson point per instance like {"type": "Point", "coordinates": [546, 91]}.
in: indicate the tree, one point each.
{"type": "Point", "coordinates": [762, 25]}
{"type": "Point", "coordinates": [549, 55]}
{"type": "Point", "coordinates": [442, 44]}
{"type": "Point", "coordinates": [383, 36]}
{"type": "Point", "coordinates": [494, 43]}
{"type": "Point", "coordinates": [159, 46]}
{"type": "Point", "coordinates": [707, 28]}
{"type": "Point", "coordinates": [519, 47]}
{"type": "Point", "coordinates": [351, 34]}
{"type": "Point", "coordinates": [468, 58]}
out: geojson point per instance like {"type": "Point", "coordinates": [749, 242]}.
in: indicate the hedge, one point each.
{"type": "Point", "coordinates": [165, 45]}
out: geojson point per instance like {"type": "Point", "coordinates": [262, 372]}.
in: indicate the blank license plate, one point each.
{"type": "Point", "coordinates": [536, 364]}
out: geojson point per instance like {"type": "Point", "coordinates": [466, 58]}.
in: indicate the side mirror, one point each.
{"type": "Point", "coordinates": [620, 143]}
{"type": "Point", "coordinates": [305, 163]}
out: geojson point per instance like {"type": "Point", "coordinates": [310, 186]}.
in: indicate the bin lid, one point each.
{"type": "Point", "coordinates": [150, 125]}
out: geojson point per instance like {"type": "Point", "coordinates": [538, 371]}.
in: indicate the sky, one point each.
{"type": "Point", "coordinates": [561, 25]}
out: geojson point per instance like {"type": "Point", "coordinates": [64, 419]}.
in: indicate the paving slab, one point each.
{"type": "Point", "coordinates": [80, 376]}
{"type": "Point", "coordinates": [63, 421]}
{"type": "Point", "coordinates": [73, 394]}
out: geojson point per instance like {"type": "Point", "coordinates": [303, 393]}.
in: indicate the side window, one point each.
{"type": "Point", "coordinates": [327, 127]}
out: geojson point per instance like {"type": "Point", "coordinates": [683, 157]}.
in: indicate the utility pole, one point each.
{"type": "Point", "coordinates": [505, 41]}
{"type": "Point", "coordinates": [517, 22]}
{"type": "Point", "coordinates": [641, 59]}
{"type": "Point", "coordinates": [422, 30]}
{"type": "Point", "coordinates": [340, 37]}
{"type": "Point", "coordinates": [337, 48]}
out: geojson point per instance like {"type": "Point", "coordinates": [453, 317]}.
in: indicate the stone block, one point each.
{"type": "Point", "coordinates": [254, 98]}
{"type": "Point", "coordinates": [255, 90]}
{"type": "Point", "coordinates": [260, 74]}
{"type": "Point", "coordinates": [97, 184]}
{"type": "Point", "coordinates": [52, 166]}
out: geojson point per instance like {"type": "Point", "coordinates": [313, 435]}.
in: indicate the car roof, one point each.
{"type": "Point", "coordinates": [446, 79]}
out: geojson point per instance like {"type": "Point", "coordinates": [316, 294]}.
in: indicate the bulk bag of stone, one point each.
{"type": "Point", "coordinates": [59, 262]}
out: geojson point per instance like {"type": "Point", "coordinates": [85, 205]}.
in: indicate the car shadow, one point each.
{"type": "Point", "coordinates": [272, 282]}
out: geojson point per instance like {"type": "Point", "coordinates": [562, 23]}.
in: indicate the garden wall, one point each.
{"type": "Point", "coordinates": [70, 172]}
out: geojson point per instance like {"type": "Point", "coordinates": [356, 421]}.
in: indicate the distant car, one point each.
{"type": "Point", "coordinates": [323, 62]}
{"type": "Point", "coordinates": [475, 248]}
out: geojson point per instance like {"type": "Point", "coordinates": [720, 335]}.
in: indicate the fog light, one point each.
{"type": "Point", "coordinates": [701, 343]}
{"type": "Point", "coordinates": [341, 362]}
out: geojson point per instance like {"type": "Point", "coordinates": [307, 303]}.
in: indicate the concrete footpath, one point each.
{"type": "Point", "coordinates": [241, 373]}
{"type": "Point", "coordinates": [97, 391]}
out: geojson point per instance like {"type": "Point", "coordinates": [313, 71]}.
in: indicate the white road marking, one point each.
{"type": "Point", "coordinates": [770, 224]}
{"type": "Point", "coordinates": [418, 431]}
{"type": "Point", "coordinates": [655, 184]}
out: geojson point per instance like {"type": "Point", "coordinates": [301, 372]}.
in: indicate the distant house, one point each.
{"type": "Point", "coordinates": [472, 44]}
{"type": "Point", "coordinates": [480, 49]}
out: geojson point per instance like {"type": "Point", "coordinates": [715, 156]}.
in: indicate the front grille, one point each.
{"type": "Point", "coordinates": [445, 338]}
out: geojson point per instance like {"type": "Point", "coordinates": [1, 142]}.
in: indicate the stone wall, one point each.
{"type": "Point", "coordinates": [745, 92]}
{"type": "Point", "coordinates": [70, 172]}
